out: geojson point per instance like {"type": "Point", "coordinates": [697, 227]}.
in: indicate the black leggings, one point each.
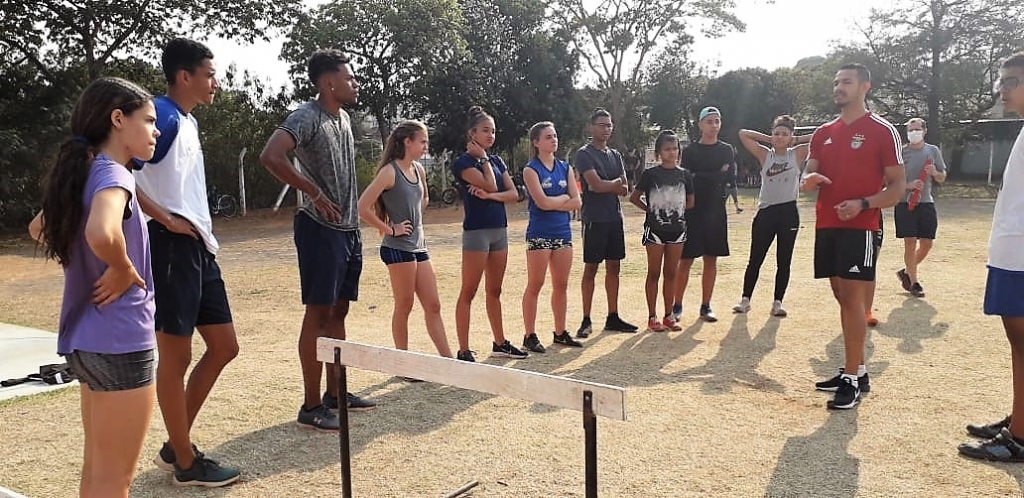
{"type": "Point", "coordinates": [782, 221]}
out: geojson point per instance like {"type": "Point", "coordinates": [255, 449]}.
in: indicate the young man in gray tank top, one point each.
{"type": "Point", "coordinates": [916, 218]}
{"type": "Point", "coordinates": [327, 238]}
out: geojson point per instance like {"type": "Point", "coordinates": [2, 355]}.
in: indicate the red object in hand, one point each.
{"type": "Point", "coordinates": [916, 195]}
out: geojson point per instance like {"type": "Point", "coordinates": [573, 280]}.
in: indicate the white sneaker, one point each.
{"type": "Point", "coordinates": [743, 306]}
{"type": "Point", "coordinates": [778, 310]}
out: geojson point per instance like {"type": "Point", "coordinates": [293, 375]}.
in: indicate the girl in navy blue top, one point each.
{"type": "Point", "coordinates": [486, 187]}
{"type": "Point", "coordinates": [553, 195]}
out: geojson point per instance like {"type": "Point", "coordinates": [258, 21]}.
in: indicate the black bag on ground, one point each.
{"type": "Point", "coordinates": [52, 374]}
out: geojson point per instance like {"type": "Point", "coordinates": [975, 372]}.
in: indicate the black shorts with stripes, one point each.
{"type": "Point", "coordinates": [113, 372]}
{"type": "Point", "coordinates": [846, 253]}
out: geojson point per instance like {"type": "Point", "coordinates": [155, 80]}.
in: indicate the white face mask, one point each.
{"type": "Point", "coordinates": [915, 136]}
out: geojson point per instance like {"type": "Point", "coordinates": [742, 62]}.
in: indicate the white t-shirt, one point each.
{"type": "Point", "coordinates": [1007, 239]}
{"type": "Point", "coordinates": [176, 176]}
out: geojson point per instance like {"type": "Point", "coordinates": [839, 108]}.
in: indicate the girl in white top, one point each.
{"type": "Point", "coordinates": [777, 215]}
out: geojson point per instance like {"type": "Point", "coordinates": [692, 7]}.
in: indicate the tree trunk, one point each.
{"type": "Point", "coordinates": [383, 126]}
{"type": "Point", "coordinates": [935, 78]}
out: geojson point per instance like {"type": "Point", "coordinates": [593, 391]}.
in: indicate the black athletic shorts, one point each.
{"type": "Point", "coordinates": [707, 233]}
{"type": "Point", "coordinates": [921, 223]}
{"type": "Point", "coordinates": [663, 236]}
{"type": "Point", "coordinates": [113, 372]}
{"type": "Point", "coordinates": [189, 290]}
{"type": "Point", "coordinates": [330, 261]}
{"type": "Point", "coordinates": [846, 253]}
{"type": "Point", "coordinates": [603, 240]}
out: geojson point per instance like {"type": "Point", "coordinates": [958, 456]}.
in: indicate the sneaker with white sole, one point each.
{"type": "Point", "coordinates": [677, 312]}
{"type": "Point", "coordinates": [507, 350]}
{"type": "Point", "coordinates": [778, 310]}
{"type": "Point", "coordinates": [205, 473]}
{"type": "Point", "coordinates": [743, 306]}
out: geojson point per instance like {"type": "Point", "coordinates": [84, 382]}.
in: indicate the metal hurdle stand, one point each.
{"type": "Point", "coordinates": [610, 399]}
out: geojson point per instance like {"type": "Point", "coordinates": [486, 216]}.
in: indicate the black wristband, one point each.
{"type": "Point", "coordinates": [864, 204]}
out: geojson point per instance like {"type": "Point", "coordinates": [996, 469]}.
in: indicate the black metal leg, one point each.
{"type": "Point", "coordinates": [590, 442]}
{"type": "Point", "coordinates": [343, 435]}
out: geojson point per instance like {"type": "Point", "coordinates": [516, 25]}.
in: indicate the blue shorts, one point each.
{"type": "Point", "coordinates": [1004, 293]}
{"type": "Point", "coordinates": [391, 256]}
{"type": "Point", "coordinates": [330, 262]}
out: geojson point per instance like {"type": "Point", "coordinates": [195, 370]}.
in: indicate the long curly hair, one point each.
{"type": "Point", "coordinates": [64, 186]}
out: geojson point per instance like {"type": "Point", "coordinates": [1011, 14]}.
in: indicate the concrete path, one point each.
{"type": "Point", "coordinates": [22, 351]}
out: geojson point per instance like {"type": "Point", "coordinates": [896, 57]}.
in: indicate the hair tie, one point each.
{"type": "Point", "coordinates": [81, 139]}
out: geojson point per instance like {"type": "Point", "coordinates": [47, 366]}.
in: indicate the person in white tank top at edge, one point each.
{"type": "Point", "coordinates": [777, 216]}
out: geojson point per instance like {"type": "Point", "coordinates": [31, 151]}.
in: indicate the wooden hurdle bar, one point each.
{"type": "Point", "coordinates": [588, 397]}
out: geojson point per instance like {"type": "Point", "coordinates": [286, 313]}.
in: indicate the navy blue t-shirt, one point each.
{"type": "Point", "coordinates": [546, 224]}
{"type": "Point", "coordinates": [480, 213]}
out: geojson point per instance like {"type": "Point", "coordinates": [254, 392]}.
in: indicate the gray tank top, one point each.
{"type": "Point", "coordinates": [404, 201]}
{"type": "Point", "coordinates": [780, 179]}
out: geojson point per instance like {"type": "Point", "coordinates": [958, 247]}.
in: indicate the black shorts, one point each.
{"type": "Point", "coordinates": [189, 290]}
{"type": "Point", "coordinates": [330, 262]}
{"type": "Point", "coordinates": [390, 256]}
{"type": "Point", "coordinates": [707, 233]}
{"type": "Point", "coordinates": [921, 223]}
{"type": "Point", "coordinates": [846, 253]}
{"type": "Point", "coordinates": [603, 241]}
{"type": "Point", "coordinates": [113, 372]}
{"type": "Point", "coordinates": [661, 236]}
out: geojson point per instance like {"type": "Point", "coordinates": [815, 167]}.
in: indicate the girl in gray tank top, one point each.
{"type": "Point", "coordinates": [393, 204]}
{"type": "Point", "coordinates": [777, 217]}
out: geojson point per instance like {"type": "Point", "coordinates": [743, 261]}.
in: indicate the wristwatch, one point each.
{"type": "Point", "coordinates": [864, 204]}
{"type": "Point", "coordinates": [481, 161]}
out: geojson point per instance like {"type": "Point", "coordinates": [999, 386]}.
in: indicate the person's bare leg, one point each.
{"type": "Point", "coordinates": [655, 254]}
{"type": "Point", "coordinates": [707, 281]}
{"type": "Point", "coordinates": [221, 348]}
{"type": "Point", "coordinates": [1015, 334]}
{"type": "Point", "coordinates": [682, 280]}
{"type": "Point", "coordinates": [473, 267]}
{"type": "Point", "coordinates": [924, 247]}
{"type": "Point", "coordinates": [670, 266]}
{"type": "Point", "coordinates": [335, 329]}
{"type": "Point", "coordinates": [560, 267]}
{"type": "Point", "coordinates": [314, 325]}
{"type": "Point", "coordinates": [910, 257]}
{"type": "Point", "coordinates": [611, 284]}
{"type": "Point", "coordinates": [497, 261]}
{"type": "Point", "coordinates": [175, 354]}
{"type": "Point", "coordinates": [85, 482]}
{"type": "Point", "coordinates": [426, 291]}
{"type": "Point", "coordinates": [852, 295]}
{"type": "Point", "coordinates": [536, 269]}
{"type": "Point", "coordinates": [403, 287]}
{"type": "Point", "coordinates": [118, 423]}
{"type": "Point", "coordinates": [587, 286]}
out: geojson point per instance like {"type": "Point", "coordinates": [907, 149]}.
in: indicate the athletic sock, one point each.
{"type": "Point", "coordinates": [862, 371]}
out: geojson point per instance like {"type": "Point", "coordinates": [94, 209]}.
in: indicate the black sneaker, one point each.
{"type": "Point", "coordinates": [507, 350]}
{"type": "Point", "coordinates": [1002, 448]}
{"type": "Point", "coordinates": [988, 431]}
{"type": "Point", "coordinates": [206, 473]}
{"type": "Point", "coordinates": [532, 344]}
{"type": "Point", "coordinates": [585, 329]}
{"type": "Point", "coordinates": [466, 355]}
{"type": "Point", "coordinates": [566, 340]}
{"type": "Point", "coordinates": [916, 290]}
{"type": "Point", "coordinates": [706, 314]}
{"type": "Point", "coordinates": [165, 459]}
{"type": "Point", "coordinates": [847, 395]}
{"type": "Point", "coordinates": [320, 418]}
{"type": "Point", "coordinates": [616, 324]}
{"type": "Point", "coordinates": [904, 279]}
{"type": "Point", "coordinates": [355, 403]}
{"type": "Point", "coordinates": [830, 385]}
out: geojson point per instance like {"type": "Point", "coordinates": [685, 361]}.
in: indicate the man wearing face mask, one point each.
{"type": "Point", "coordinates": [916, 219]}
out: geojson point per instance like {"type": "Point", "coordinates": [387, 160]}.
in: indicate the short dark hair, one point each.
{"type": "Point", "coordinates": [784, 120]}
{"type": "Point", "coordinates": [600, 112]}
{"type": "Point", "coordinates": [183, 54]}
{"type": "Point", "coordinates": [1015, 60]}
{"type": "Point", "coordinates": [863, 74]}
{"type": "Point", "coordinates": [323, 62]}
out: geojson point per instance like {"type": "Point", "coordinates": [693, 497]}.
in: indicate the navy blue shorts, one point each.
{"type": "Point", "coordinates": [391, 256]}
{"type": "Point", "coordinates": [330, 262]}
{"type": "Point", "coordinates": [189, 290]}
{"type": "Point", "coordinates": [1004, 293]}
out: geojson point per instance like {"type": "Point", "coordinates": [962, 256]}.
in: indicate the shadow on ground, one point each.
{"type": "Point", "coordinates": [819, 464]}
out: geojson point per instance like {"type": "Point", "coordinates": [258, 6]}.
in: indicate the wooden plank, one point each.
{"type": "Point", "coordinates": [563, 392]}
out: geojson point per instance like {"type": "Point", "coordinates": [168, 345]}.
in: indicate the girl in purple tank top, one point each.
{"type": "Point", "coordinates": [393, 203]}
{"type": "Point", "coordinates": [92, 226]}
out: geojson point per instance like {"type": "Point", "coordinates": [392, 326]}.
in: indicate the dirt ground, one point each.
{"type": "Point", "coordinates": [724, 409]}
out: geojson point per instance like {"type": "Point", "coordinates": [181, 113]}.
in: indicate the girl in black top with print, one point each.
{"type": "Point", "coordinates": [668, 192]}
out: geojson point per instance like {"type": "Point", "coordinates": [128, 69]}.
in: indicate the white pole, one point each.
{"type": "Point", "coordinates": [241, 180]}
{"type": "Point", "coordinates": [280, 197]}
{"type": "Point", "coordinates": [298, 193]}
{"type": "Point", "coordinates": [991, 159]}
